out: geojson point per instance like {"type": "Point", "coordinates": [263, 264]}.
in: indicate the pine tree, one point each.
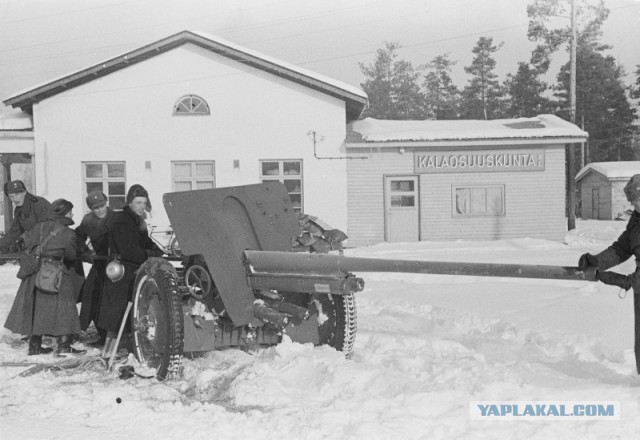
{"type": "Point", "coordinates": [441, 95]}
{"type": "Point", "coordinates": [392, 87]}
{"type": "Point", "coordinates": [482, 96]}
{"type": "Point", "coordinates": [590, 15]}
{"type": "Point", "coordinates": [526, 93]}
{"type": "Point", "coordinates": [635, 90]}
{"type": "Point", "coordinates": [601, 103]}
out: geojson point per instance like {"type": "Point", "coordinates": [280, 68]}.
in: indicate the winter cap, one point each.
{"type": "Point", "coordinates": [14, 187]}
{"type": "Point", "coordinates": [632, 188]}
{"type": "Point", "coordinates": [61, 207]}
{"type": "Point", "coordinates": [138, 191]}
{"type": "Point", "coordinates": [96, 199]}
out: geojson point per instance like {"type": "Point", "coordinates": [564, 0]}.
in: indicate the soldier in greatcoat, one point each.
{"type": "Point", "coordinates": [94, 228]}
{"type": "Point", "coordinates": [28, 211]}
{"type": "Point", "coordinates": [130, 243]}
{"type": "Point", "coordinates": [625, 247]}
{"type": "Point", "coordinates": [35, 313]}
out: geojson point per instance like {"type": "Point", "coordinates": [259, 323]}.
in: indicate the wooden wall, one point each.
{"type": "Point", "coordinates": [534, 200]}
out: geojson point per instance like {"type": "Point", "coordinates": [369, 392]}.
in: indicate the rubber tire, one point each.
{"type": "Point", "coordinates": [339, 328]}
{"type": "Point", "coordinates": [159, 345]}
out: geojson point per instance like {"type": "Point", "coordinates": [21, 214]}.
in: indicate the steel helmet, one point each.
{"type": "Point", "coordinates": [115, 270]}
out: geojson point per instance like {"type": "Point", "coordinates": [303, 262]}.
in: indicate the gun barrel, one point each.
{"type": "Point", "coordinates": [324, 264]}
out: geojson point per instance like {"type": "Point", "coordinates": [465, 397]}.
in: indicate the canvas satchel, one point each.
{"type": "Point", "coordinates": [49, 276]}
{"type": "Point", "coordinates": [49, 270]}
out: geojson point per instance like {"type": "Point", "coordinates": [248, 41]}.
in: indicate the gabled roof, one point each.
{"type": "Point", "coordinates": [540, 129]}
{"type": "Point", "coordinates": [621, 170]}
{"type": "Point", "coordinates": [355, 98]}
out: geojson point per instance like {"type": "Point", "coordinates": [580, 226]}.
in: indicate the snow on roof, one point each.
{"type": "Point", "coordinates": [542, 126]}
{"type": "Point", "coordinates": [15, 119]}
{"type": "Point", "coordinates": [612, 170]}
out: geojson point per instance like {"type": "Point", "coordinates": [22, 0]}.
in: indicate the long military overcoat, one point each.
{"type": "Point", "coordinates": [130, 241]}
{"type": "Point", "coordinates": [97, 231]}
{"type": "Point", "coordinates": [37, 313]}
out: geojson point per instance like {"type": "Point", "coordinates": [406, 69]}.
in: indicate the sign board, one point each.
{"type": "Point", "coordinates": [478, 161]}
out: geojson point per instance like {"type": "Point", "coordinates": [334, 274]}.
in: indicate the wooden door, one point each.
{"type": "Point", "coordinates": [402, 207]}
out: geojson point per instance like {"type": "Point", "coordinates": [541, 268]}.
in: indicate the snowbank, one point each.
{"type": "Point", "coordinates": [427, 346]}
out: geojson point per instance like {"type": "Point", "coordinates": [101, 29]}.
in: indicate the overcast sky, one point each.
{"type": "Point", "coordinates": [44, 39]}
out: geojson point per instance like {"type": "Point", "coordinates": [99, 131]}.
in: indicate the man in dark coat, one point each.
{"type": "Point", "coordinates": [130, 242]}
{"type": "Point", "coordinates": [36, 313]}
{"type": "Point", "coordinates": [95, 228]}
{"type": "Point", "coordinates": [626, 246]}
{"type": "Point", "coordinates": [28, 211]}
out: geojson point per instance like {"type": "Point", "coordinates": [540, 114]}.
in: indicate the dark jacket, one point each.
{"type": "Point", "coordinates": [97, 231]}
{"type": "Point", "coordinates": [34, 210]}
{"type": "Point", "coordinates": [37, 313]}
{"type": "Point", "coordinates": [129, 240]}
{"type": "Point", "coordinates": [625, 247]}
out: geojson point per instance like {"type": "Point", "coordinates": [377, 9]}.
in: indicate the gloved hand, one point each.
{"type": "Point", "coordinates": [586, 261]}
{"type": "Point", "coordinates": [614, 279]}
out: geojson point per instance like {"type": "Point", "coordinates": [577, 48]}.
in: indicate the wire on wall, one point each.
{"type": "Point", "coordinates": [316, 139]}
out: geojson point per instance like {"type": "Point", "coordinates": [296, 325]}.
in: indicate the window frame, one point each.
{"type": "Point", "coordinates": [105, 180]}
{"type": "Point", "coordinates": [191, 111]}
{"type": "Point", "coordinates": [454, 205]}
{"type": "Point", "coordinates": [193, 179]}
{"type": "Point", "coordinates": [281, 177]}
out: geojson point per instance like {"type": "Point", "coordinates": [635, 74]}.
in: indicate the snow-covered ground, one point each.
{"type": "Point", "coordinates": [427, 346]}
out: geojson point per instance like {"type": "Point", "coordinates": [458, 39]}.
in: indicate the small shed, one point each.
{"type": "Point", "coordinates": [462, 179]}
{"type": "Point", "coordinates": [600, 186]}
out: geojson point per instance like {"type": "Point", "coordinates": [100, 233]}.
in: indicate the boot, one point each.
{"type": "Point", "coordinates": [35, 346]}
{"type": "Point", "coordinates": [102, 338]}
{"type": "Point", "coordinates": [65, 348]}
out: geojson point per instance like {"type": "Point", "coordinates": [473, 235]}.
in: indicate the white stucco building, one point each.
{"type": "Point", "coordinates": [190, 111]}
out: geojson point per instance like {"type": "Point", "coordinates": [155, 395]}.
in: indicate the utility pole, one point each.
{"type": "Point", "coordinates": [571, 197]}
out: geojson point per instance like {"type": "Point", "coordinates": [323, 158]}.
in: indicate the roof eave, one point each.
{"type": "Point", "coordinates": [354, 103]}
{"type": "Point", "coordinates": [468, 142]}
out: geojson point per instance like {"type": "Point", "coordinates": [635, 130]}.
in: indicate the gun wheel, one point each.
{"type": "Point", "coordinates": [338, 325]}
{"type": "Point", "coordinates": [157, 323]}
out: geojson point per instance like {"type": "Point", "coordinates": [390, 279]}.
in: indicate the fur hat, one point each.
{"type": "Point", "coordinates": [61, 207]}
{"type": "Point", "coordinates": [138, 191]}
{"type": "Point", "coordinates": [96, 199]}
{"type": "Point", "coordinates": [14, 187]}
{"type": "Point", "coordinates": [632, 188]}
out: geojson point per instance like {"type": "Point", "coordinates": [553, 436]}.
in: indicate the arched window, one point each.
{"type": "Point", "coordinates": [191, 105]}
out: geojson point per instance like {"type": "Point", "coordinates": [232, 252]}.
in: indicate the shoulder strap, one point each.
{"type": "Point", "coordinates": [52, 234]}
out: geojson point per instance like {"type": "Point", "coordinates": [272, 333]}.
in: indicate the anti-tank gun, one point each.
{"type": "Point", "coordinates": [241, 283]}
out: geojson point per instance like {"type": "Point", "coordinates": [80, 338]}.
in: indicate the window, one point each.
{"type": "Point", "coordinates": [191, 105]}
{"type": "Point", "coordinates": [108, 177]}
{"type": "Point", "coordinates": [288, 172]}
{"type": "Point", "coordinates": [478, 201]}
{"type": "Point", "coordinates": [402, 193]}
{"type": "Point", "coordinates": [193, 175]}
